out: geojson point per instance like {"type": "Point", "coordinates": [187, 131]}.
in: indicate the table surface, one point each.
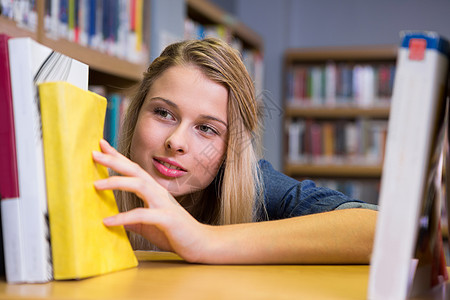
{"type": "Point", "coordinates": [166, 276]}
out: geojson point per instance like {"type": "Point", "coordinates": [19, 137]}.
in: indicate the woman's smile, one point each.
{"type": "Point", "coordinates": [168, 168]}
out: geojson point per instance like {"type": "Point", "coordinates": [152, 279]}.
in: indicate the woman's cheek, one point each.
{"type": "Point", "coordinates": [210, 155]}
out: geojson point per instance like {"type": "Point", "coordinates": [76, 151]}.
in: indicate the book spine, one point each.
{"type": "Point", "coordinates": [114, 100]}
{"type": "Point", "coordinates": [9, 186]}
{"type": "Point", "coordinates": [32, 204]}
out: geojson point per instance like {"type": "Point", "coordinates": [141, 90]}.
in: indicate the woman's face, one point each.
{"type": "Point", "coordinates": [181, 131]}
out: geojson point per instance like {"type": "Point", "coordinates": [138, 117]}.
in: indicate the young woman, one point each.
{"type": "Point", "coordinates": [190, 181]}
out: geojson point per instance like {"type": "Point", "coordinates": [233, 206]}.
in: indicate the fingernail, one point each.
{"type": "Point", "coordinates": [104, 142]}
{"type": "Point", "coordinates": [108, 221]}
{"type": "Point", "coordinates": [98, 184]}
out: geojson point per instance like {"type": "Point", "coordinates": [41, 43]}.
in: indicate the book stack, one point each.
{"type": "Point", "coordinates": [51, 214]}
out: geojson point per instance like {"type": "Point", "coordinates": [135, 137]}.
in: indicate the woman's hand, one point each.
{"type": "Point", "coordinates": [163, 221]}
{"type": "Point", "coordinates": [341, 236]}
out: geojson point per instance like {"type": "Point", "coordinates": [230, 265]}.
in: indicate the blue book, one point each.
{"type": "Point", "coordinates": [91, 21]}
{"type": "Point", "coordinates": [114, 110]}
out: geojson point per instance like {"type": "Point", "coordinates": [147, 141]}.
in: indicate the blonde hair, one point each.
{"type": "Point", "coordinates": [236, 193]}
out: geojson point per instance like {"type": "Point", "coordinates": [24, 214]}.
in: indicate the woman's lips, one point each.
{"type": "Point", "coordinates": [168, 168]}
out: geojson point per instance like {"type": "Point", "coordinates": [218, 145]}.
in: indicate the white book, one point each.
{"type": "Point", "coordinates": [25, 221]}
{"type": "Point", "coordinates": [416, 114]}
{"type": "Point", "coordinates": [295, 130]}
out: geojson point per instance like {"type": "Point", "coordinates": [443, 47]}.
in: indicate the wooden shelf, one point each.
{"type": "Point", "coordinates": [210, 13]}
{"type": "Point", "coordinates": [330, 170]}
{"type": "Point", "coordinates": [337, 112]}
{"type": "Point", "coordinates": [356, 53]}
{"type": "Point", "coordinates": [96, 60]}
{"type": "Point", "coordinates": [10, 28]}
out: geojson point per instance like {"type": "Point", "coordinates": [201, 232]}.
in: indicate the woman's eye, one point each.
{"type": "Point", "coordinates": [207, 129]}
{"type": "Point", "coordinates": [163, 113]}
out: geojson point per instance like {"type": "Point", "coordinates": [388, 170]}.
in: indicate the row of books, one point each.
{"type": "Point", "coordinates": [23, 12]}
{"type": "Point", "coordinates": [340, 84]}
{"type": "Point", "coordinates": [51, 214]}
{"type": "Point", "coordinates": [253, 59]}
{"type": "Point", "coordinates": [323, 142]}
{"type": "Point", "coordinates": [196, 30]}
{"type": "Point", "coordinates": [115, 111]}
{"type": "Point", "coordinates": [115, 27]}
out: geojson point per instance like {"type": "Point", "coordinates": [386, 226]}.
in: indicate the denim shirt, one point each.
{"type": "Point", "coordinates": [286, 197]}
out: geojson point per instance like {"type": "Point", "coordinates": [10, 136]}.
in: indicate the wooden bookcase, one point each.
{"type": "Point", "coordinates": [205, 14]}
{"type": "Point", "coordinates": [104, 68]}
{"type": "Point", "coordinates": [110, 75]}
{"type": "Point", "coordinates": [304, 109]}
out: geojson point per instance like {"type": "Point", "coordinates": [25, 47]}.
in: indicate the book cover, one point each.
{"type": "Point", "coordinates": [72, 125]}
{"type": "Point", "coordinates": [9, 185]}
{"type": "Point", "coordinates": [26, 237]}
{"type": "Point", "coordinates": [415, 118]}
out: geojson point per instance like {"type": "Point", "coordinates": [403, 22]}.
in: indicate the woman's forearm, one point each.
{"type": "Point", "coordinates": [337, 237]}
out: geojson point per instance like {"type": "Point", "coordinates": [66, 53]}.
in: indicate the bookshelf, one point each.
{"type": "Point", "coordinates": [113, 73]}
{"type": "Point", "coordinates": [204, 18]}
{"type": "Point", "coordinates": [205, 12]}
{"type": "Point", "coordinates": [336, 110]}
{"type": "Point", "coordinates": [124, 72]}
{"type": "Point", "coordinates": [116, 51]}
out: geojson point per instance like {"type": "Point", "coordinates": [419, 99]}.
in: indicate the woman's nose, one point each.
{"type": "Point", "coordinates": [177, 141]}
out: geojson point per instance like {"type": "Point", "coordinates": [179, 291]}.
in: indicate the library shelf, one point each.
{"type": "Point", "coordinates": [370, 53]}
{"type": "Point", "coordinates": [205, 11]}
{"type": "Point", "coordinates": [332, 170]}
{"type": "Point", "coordinates": [336, 112]}
{"type": "Point", "coordinates": [319, 122]}
{"type": "Point", "coordinates": [97, 61]}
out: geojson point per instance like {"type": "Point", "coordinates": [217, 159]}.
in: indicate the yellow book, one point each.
{"type": "Point", "coordinates": [72, 126]}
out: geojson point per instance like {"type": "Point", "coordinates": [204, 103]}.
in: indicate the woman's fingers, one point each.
{"type": "Point", "coordinates": [107, 148]}
{"type": "Point", "coordinates": [151, 193]}
{"type": "Point", "coordinates": [129, 184]}
{"type": "Point", "coordinates": [135, 216]}
{"type": "Point", "coordinates": [150, 231]}
{"type": "Point", "coordinates": [135, 179]}
{"type": "Point", "coordinates": [118, 163]}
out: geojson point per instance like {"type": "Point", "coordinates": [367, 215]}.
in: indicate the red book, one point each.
{"type": "Point", "coordinates": [9, 186]}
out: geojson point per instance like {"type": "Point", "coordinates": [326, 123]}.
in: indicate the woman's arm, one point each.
{"type": "Point", "coordinates": [341, 236]}
{"type": "Point", "coordinates": [336, 237]}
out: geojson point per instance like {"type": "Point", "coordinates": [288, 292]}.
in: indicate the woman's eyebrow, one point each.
{"type": "Point", "coordinates": [214, 119]}
{"type": "Point", "coordinates": [174, 105]}
{"type": "Point", "coordinates": [168, 102]}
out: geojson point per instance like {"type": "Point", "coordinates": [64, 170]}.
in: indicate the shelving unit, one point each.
{"type": "Point", "coordinates": [349, 110]}
{"type": "Point", "coordinates": [205, 12]}
{"type": "Point", "coordinates": [110, 75]}
{"type": "Point", "coordinates": [208, 16]}
{"type": "Point", "coordinates": [123, 73]}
